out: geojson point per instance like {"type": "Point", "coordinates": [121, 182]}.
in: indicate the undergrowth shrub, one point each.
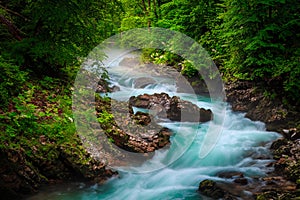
{"type": "Point", "coordinates": [11, 82]}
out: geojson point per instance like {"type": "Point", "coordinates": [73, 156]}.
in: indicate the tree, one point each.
{"type": "Point", "coordinates": [140, 13]}
{"type": "Point", "coordinates": [263, 42]}
{"type": "Point", "coordinates": [45, 36]}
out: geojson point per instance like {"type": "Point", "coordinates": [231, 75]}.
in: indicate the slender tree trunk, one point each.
{"type": "Point", "coordinates": [159, 3]}
{"type": "Point", "coordinates": [13, 12]}
{"type": "Point", "coordinates": [147, 12]}
{"type": "Point", "coordinates": [270, 13]}
{"type": "Point", "coordinates": [149, 7]}
{"type": "Point", "coordinates": [155, 10]}
{"type": "Point", "coordinates": [144, 6]}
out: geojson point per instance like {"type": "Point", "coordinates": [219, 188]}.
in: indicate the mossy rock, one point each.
{"type": "Point", "coordinates": [209, 188]}
{"type": "Point", "coordinates": [266, 195]}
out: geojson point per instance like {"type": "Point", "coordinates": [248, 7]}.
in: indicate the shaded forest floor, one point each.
{"type": "Point", "coordinates": [39, 143]}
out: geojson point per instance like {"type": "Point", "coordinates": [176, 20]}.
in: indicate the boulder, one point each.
{"type": "Point", "coordinates": [133, 132]}
{"type": "Point", "coordinates": [209, 188]}
{"type": "Point", "coordinates": [215, 190]}
{"type": "Point", "coordinates": [241, 181]}
{"type": "Point", "coordinates": [114, 88]}
{"type": "Point", "coordinates": [185, 111]}
{"type": "Point", "coordinates": [230, 174]}
{"type": "Point", "coordinates": [291, 134]}
{"type": "Point", "coordinates": [238, 177]}
{"type": "Point", "coordinates": [142, 118]}
{"type": "Point", "coordinates": [103, 87]}
{"type": "Point", "coordinates": [173, 108]}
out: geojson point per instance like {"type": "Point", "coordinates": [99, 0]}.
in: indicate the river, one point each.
{"type": "Point", "coordinates": [241, 145]}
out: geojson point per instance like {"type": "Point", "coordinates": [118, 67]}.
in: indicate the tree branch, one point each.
{"type": "Point", "coordinates": [14, 31]}
{"type": "Point", "coordinates": [14, 13]}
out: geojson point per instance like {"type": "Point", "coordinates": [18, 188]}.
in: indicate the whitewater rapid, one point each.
{"type": "Point", "coordinates": [241, 145]}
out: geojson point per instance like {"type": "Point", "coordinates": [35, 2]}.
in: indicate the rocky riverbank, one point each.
{"type": "Point", "coordinates": [39, 144]}
{"type": "Point", "coordinates": [22, 174]}
{"type": "Point", "coordinates": [259, 105]}
{"type": "Point", "coordinates": [284, 181]}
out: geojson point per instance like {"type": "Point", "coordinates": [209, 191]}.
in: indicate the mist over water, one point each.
{"type": "Point", "coordinates": [242, 146]}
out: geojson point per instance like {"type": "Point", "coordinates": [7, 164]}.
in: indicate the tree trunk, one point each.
{"type": "Point", "coordinates": [155, 10]}
{"type": "Point", "coordinates": [149, 12]}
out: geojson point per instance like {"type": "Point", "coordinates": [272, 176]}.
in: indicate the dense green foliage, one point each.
{"type": "Point", "coordinates": [46, 36]}
{"type": "Point", "coordinates": [39, 120]}
{"type": "Point", "coordinates": [42, 45]}
{"type": "Point", "coordinates": [11, 81]}
{"type": "Point", "coordinates": [262, 42]}
{"type": "Point", "coordinates": [254, 40]}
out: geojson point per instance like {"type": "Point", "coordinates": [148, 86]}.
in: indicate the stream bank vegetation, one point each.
{"type": "Point", "coordinates": [255, 44]}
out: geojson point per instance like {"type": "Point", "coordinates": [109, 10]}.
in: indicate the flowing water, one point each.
{"type": "Point", "coordinates": [241, 146]}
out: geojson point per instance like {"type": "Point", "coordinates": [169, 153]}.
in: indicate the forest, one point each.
{"type": "Point", "coordinates": [43, 44]}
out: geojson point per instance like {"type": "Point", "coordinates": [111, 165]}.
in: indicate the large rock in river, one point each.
{"type": "Point", "coordinates": [210, 188]}
{"type": "Point", "coordinates": [131, 132]}
{"type": "Point", "coordinates": [214, 190]}
{"type": "Point", "coordinates": [172, 108]}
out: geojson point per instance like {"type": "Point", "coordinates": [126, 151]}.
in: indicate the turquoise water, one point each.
{"type": "Point", "coordinates": [230, 142]}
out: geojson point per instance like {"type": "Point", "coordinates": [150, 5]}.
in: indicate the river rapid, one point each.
{"type": "Point", "coordinates": [241, 145]}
